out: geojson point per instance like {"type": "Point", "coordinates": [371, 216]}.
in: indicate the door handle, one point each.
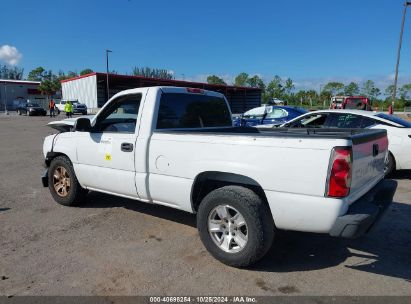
{"type": "Point", "coordinates": [375, 150]}
{"type": "Point", "coordinates": [126, 147]}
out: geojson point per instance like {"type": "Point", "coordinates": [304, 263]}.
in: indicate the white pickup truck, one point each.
{"type": "Point", "coordinates": [177, 147]}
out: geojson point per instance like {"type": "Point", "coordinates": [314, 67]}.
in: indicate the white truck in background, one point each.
{"type": "Point", "coordinates": [177, 147]}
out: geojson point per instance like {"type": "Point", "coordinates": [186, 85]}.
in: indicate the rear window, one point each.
{"type": "Point", "coordinates": [179, 111]}
{"type": "Point", "coordinates": [347, 121]}
{"type": "Point", "coordinates": [396, 119]}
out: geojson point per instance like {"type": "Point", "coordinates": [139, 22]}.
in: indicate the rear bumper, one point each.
{"type": "Point", "coordinates": [365, 212]}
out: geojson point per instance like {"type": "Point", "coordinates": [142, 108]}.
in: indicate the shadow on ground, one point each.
{"type": "Point", "coordinates": [386, 250]}
{"type": "Point", "coordinates": [402, 174]}
{"type": "Point", "coordinates": [100, 200]}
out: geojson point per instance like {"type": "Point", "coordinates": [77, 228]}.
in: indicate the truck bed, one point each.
{"type": "Point", "coordinates": [355, 135]}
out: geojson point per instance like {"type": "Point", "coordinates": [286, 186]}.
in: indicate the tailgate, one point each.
{"type": "Point", "coordinates": [369, 151]}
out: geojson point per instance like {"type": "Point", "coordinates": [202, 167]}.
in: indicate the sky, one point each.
{"type": "Point", "coordinates": [312, 42]}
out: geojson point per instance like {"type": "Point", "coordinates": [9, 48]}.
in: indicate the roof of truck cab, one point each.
{"type": "Point", "coordinates": [169, 89]}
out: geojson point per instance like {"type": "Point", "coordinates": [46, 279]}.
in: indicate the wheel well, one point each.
{"type": "Point", "coordinates": [52, 155]}
{"type": "Point", "coordinates": [206, 182]}
{"type": "Point", "coordinates": [393, 158]}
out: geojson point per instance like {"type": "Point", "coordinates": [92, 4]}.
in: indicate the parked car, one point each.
{"type": "Point", "coordinates": [60, 106]}
{"type": "Point", "coordinates": [177, 147]}
{"type": "Point", "coordinates": [268, 115]}
{"type": "Point", "coordinates": [398, 130]}
{"type": "Point", "coordinates": [31, 108]}
{"type": "Point", "coordinates": [77, 107]}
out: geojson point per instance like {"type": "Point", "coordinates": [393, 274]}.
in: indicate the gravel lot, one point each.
{"type": "Point", "coordinates": [115, 246]}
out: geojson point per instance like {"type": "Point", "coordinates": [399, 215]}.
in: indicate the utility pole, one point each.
{"type": "Point", "coordinates": [108, 88]}
{"type": "Point", "coordinates": [406, 3]}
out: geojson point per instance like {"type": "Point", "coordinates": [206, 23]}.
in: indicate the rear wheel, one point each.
{"type": "Point", "coordinates": [63, 183]}
{"type": "Point", "coordinates": [389, 166]}
{"type": "Point", "coordinates": [235, 225]}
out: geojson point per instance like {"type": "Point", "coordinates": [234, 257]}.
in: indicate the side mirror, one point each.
{"type": "Point", "coordinates": [82, 125]}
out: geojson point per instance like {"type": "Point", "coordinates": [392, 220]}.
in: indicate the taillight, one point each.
{"type": "Point", "coordinates": [339, 181]}
{"type": "Point", "coordinates": [195, 90]}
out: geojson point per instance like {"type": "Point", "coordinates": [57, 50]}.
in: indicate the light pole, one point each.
{"type": "Point", "coordinates": [394, 93]}
{"type": "Point", "coordinates": [108, 88]}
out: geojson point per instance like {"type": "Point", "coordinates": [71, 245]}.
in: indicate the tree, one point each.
{"type": "Point", "coordinates": [256, 82]}
{"type": "Point", "coordinates": [370, 90]}
{"type": "Point", "coordinates": [389, 91]}
{"type": "Point", "coordinates": [288, 86]}
{"type": "Point", "coordinates": [335, 88]}
{"type": "Point", "coordinates": [11, 73]}
{"type": "Point", "coordinates": [71, 74]}
{"type": "Point", "coordinates": [241, 80]}
{"type": "Point", "coordinates": [49, 86]}
{"type": "Point", "coordinates": [300, 96]}
{"type": "Point", "coordinates": [37, 74]}
{"type": "Point", "coordinates": [86, 71]}
{"type": "Point", "coordinates": [405, 91]}
{"type": "Point", "coordinates": [153, 73]}
{"type": "Point", "coordinates": [213, 79]}
{"type": "Point", "coordinates": [325, 97]}
{"type": "Point", "coordinates": [352, 89]}
{"type": "Point", "coordinates": [275, 88]}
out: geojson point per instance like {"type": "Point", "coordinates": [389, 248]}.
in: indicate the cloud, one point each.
{"type": "Point", "coordinates": [10, 54]}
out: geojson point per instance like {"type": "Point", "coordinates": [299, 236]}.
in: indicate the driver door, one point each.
{"type": "Point", "coordinates": [106, 154]}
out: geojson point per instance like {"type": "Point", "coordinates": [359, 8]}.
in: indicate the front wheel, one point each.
{"type": "Point", "coordinates": [63, 183]}
{"type": "Point", "coordinates": [235, 225]}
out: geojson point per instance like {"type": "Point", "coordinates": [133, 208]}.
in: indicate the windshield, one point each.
{"type": "Point", "coordinates": [32, 104]}
{"type": "Point", "coordinates": [395, 119]}
{"type": "Point", "coordinates": [256, 112]}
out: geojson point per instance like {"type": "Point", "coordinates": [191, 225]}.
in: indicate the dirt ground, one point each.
{"type": "Point", "coordinates": [115, 246]}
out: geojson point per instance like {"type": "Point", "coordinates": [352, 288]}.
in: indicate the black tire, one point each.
{"type": "Point", "coordinates": [19, 112]}
{"type": "Point", "coordinates": [258, 218]}
{"type": "Point", "coordinates": [389, 164]}
{"type": "Point", "coordinates": [75, 194]}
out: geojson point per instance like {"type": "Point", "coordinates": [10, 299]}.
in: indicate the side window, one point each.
{"type": "Point", "coordinates": [311, 121]}
{"type": "Point", "coordinates": [120, 116]}
{"type": "Point", "coordinates": [346, 121]}
{"type": "Point", "coordinates": [179, 111]}
{"type": "Point", "coordinates": [277, 113]}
